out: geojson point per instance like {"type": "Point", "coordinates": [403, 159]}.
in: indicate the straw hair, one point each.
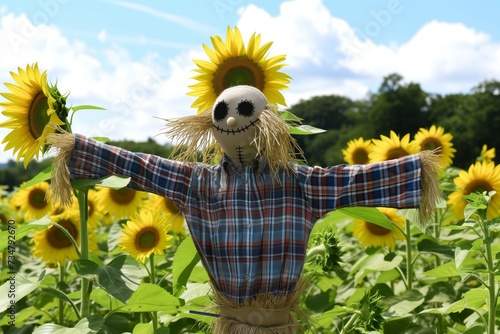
{"type": "Point", "coordinates": [260, 308]}
{"type": "Point", "coordinates": [194, 140]}
{"type": "Point", "coordinates": [431, 192]}
{"type": "Point", "coordinates": [60, 190]}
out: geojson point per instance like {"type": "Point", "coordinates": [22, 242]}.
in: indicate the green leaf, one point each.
{"type": "Point", "coordinates": [89, 325]}
{"type": "Point", "coordinates": [15, 288]}
{"type": "Point", "coordinates": [151, 298]}
{"type": "Point", "coordinates": [398, 324]}
{"type": "Point", "coordinates": [44, 175]}
{"type": "Point", "coordinates": [143, 329]}
{"type": "Point", "coordinates": [113, 182]}
{"type": "Point", "coordinates": [107, 301]}
{"type": "Point", "coordinates": [108, 278]}
{"type": "Point", "coordinates": [326, 319]}
{"type": "Point", "coordinates": [185, 259]}
{"type": "Point", "coordinates": [449, 269]}
{"type": "Point", "coordinates": [474, 299]}
{"type": "Point", "coordinates": [288, 116]}
{"type": "Point", "coordinates": [371, 215]}
{"type": "Point", "coordinates": [130, 269]}
{"type": "Point", "coordinates": [405, 303]}
{"type": "Point", "coordinates": [475, 330]}
{"type": "Point", "coordinates": [85, 268]}
{"type": "Point", "coordinates": [461, 253]}
{"type": "Point", "coordinates": [430, 246]}
{"type": "Point", "coordinates": [23, 231]}
{"type": "Point", "coordinates": [101, 139]}
{"type": "Point", "coordinates": [86, 107]}
{"type": "Point", "coordinates": [377, 263]}
{"type": "Point", "coordinates": [56, 293]}
{"type": "Point", "coordinates": [305, 130]}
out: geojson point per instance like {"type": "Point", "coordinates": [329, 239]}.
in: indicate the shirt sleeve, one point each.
{"type": "Point", "coordinates": [93, 160]}
{"type": "Point", "coordinates": [394, 183]}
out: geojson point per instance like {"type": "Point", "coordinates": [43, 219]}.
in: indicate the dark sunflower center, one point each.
{"type": "Point", "coordinates": [122, 196]}
{"type": "Point", "coordinates": [37, 114]}
{"type": "Point", "coordinates": [479, 186]}
{"type": "Point", "coordinates": [377, 229]}
{"type": "Point", "coordinates": [57, 238]}
{"type": "Point", "coordinates": [36, 199]}
{"type": "Point", "coordinates": [238, 71]}
{"type": "Point", "coordinates": [146, 239]}
{"type": "Point", "coordinates": [3, 218]}
{"type": "Point", "coordinates": [360, 156]}
{"type": "Point", "coordinates": [395, 153]}
{"type": "Point", "coordinates": [430, 144]}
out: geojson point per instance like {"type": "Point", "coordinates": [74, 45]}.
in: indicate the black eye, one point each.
{"type": "Point", "coordinates": [245, 108]}
{"type": "Point", "coordinates": [220, 111]}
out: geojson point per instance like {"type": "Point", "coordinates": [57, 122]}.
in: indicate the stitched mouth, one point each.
{"type": "Point", "coordinates": [235, 131]}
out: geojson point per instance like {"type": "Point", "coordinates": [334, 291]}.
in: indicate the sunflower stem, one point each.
{"type": "Point", "coordinates": [351, 323]}
{"type": "Point", "coordinates": [154, 315]}
{"type": "Point", "coordinates": [492, 295]}
{"type": "Point", "coordinates": [437, 232]}
{"type": "Point", "coordinates": [82, 196]}
{"type": "Point", "coordinates": [61, 303]}
{"type": "Point", "coordinates": [409, 255]}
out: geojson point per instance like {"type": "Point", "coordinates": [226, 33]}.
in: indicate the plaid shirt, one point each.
{"type": "Point", "coordinates": [251, 231]}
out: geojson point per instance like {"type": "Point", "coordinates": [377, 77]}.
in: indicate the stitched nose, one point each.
{"type": "Point", "coordinates": [231, 121]}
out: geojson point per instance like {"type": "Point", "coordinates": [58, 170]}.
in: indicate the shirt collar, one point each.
{"type": "Point", "coordinates": [258, 164]}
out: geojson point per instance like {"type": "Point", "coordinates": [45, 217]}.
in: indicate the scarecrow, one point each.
{"type": "Point", "coordinates": [249, 205]}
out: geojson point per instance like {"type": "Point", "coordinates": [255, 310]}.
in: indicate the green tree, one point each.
{"type": "Point", "coordinates": [331, 113]}
{"type": "Point", "coordinates": [473, 120]}
{"type": "Point", "coordinates": [400, 107]}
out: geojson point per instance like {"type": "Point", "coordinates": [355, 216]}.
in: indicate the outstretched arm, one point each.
{"type": "Point", "coordinates": [407, 182]}
{"type": "Point", "coordinates": [81, 157]}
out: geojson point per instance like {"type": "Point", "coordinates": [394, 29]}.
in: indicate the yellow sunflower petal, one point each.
{"type": "Point", "coordinates": [230, 59]}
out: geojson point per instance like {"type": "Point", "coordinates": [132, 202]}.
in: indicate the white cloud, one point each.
{"type": "Point", "coordinates": [327, 56]}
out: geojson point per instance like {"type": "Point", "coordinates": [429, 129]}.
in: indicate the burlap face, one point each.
{"type": "Point", "coordinates": [234, 118]}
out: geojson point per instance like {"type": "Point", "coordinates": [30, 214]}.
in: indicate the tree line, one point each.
{"type": "Point", "coordinates": [472, 118]}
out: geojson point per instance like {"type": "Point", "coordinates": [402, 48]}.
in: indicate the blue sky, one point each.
{"type": "Point", "coordinates": [135, 57]}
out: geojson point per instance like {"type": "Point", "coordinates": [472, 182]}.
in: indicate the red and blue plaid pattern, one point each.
{"type": "Point", "coordinates": [252, 230]}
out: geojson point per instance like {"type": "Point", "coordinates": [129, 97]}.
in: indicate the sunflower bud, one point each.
{"type": "Point", "coordinates": [325, 251]}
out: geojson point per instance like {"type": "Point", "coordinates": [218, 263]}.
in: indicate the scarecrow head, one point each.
{"type": "Point", "coordinates": [234, 122]}
{"type": "Point", "coordinates": [242, 125]}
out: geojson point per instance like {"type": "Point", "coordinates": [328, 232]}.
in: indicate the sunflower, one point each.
{"type": "Point", "coordinates": [31, 105]}
{"type": "Point", "coordinates": [392, 148]}
{"type": "Point", "coordinates": [164, 205]}
{"type": "Point", "coordinates": [479, 178]}
{"type": "Point", "coordinates": [358, 151]}
{"type": "Point", "coordinates": [436, 138]}
{"type": "Point", "coordinates": [31, 201]}
{"type": "Point", "coordinates": [120, 203]}
{"type": "Point", "coordinates": [145, 234]}
{"type": "Point", "coordinates": [232, 64]}
{"type": "Point", "coordinates": [487, 155]}
{"type": "Point", "coordinates": [53, 246]}
{"type": "Point", "coordinates": [373, 235]}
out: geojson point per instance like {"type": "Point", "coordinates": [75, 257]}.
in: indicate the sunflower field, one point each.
{"type": "Point", "coordinates": [112, 260]}
{"type": "Point", "coordinates": [142, 273]}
